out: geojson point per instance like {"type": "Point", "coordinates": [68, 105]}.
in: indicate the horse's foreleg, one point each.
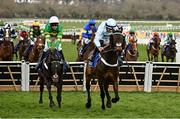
{"type": "Point", "coordinates": [115, 87]}
{"type": "Point", "coordinates": [108, 103]}
{"type": "Point", "coordinates": [51, 104]}
{"type": "Point", "coordinates": [88, 103]}
{"type": "Point", "coordinates": [59, 90]}
{"type": "Point", "coordinates": [101, 86]}
{"type": "Point", "coordinates": [41, 89]}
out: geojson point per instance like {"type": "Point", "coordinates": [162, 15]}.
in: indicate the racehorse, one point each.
{"type": "Point", "coordinates": [153, 52]}
{"type": "Point", "coordinates": [88, 48]}
{"type": "Point", "coordinates": [36, 50]}
{"type": "Point", "coordinates": [51, 73]}
{"type": "Point", "coordinates": [131, 54]}
{"type": "Point", "coordinates": [106, 70]}
{"type": "Point", "coordinates": [23, 46]}
{"type": "Point", "coordinates": [169, 52]}
{"type": "Point", "coordinates": [6, 48]}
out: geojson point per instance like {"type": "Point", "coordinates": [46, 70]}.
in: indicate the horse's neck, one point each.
{"type": "Point", "coordinates": [6, 43]}
{"type": "Point", "coordinates": [110, 57]}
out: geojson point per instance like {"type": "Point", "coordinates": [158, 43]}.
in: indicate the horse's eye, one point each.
{"type": "Point", "coordinates": [118, 44]}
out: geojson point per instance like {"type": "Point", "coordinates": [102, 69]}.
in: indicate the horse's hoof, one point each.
{"type": "Point", "coordinates": [114, 100]}
{"type": "Point", "coordinates": [88, 105]}
{"type": "Point", "coordinates": [108, 105]}
{"type": "Point", "coordinates": [40, 101]}
{"type": "Point", "coordinates": [103, 107]}
{"type": "Point", "coordinates": [51, 104]}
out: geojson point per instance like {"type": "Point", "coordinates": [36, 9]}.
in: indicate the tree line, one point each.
{"type": "Point", "coordinates": [124, 10]}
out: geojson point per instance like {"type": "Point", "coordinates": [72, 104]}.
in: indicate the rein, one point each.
{"type": "Point", "coordinates": [107, 64]}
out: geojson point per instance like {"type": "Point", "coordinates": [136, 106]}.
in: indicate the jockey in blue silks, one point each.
{"type": "Point", "coordinates": [86, 36]}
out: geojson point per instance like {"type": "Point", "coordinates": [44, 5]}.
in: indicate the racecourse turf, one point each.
{"type": "Point", "coordinates": [132, 105]}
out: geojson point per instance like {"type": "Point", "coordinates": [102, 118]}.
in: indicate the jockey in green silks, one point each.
{"type": "Point", "coordinates": [53, 36]}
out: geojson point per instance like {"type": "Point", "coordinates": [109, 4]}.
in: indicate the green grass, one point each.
{"type": "Point", "coordinates": [70, 51]}
{"type": "Point", "coordinates": [132, 105]}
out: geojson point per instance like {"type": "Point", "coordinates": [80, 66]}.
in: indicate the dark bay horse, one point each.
{"type": "Point", "coordinates": [153, 52]}
{"type": "Point", "coordinates": [169, 52]}
{"type": "Point", "coordinates": [87, 50]}
{"type": "Point", "coordinates": [131, 54]}
{"type": "Point", "coordinates": [6, 48]}
{"type": "Point", "coordinates": [106, 70]}
{"type": "Point", "coordinates": [36, 50]}
{"type": "Point", "coordinates": [51, 73]}
{"type": "Point", "coordinates": [23, 46]}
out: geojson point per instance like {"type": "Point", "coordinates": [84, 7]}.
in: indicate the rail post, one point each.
{"type": "Point", "coordinates": [148, 77]}
{"type": "Point", "coordinates": [24, 76]}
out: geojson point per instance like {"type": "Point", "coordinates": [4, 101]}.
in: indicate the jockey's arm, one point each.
{"type": "Point", "coordinates": [99, 35]}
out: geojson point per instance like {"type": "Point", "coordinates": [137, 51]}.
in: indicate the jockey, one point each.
{"type": "Point", "coordinates": [152, 40]}
{"type": "Point", "coordinates": [102, 36]}
{"type": "Point", "coordinates": [35, 32]}
{"type": "Point", "coordinates": [13, 33]}
{"type": "Point", "coordinates": [86, 35]}
{"type": "Point", "coordinates": [168, 40]}
{"type": "Point", "coordinates": [52, 29]}
{"type": "Point", "coordinates": [131, 39]}
{"type": "Point", "coordinates": [23, 36]}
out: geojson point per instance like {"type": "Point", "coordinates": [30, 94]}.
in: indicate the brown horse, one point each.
{"type": "Point", "coordinates": [51, 73]}
{"type": "Point", "coordinates": [36, 50]}
{"type": "Point", "coordinates": [23, 46]}
{"type": "Point", "coordinates": [153, 51]}
{"type": "Point", "coordinates": [106, 70]}
{"type": "Point", "coordinates": [169, 52]}
{"type": "Point", "coordinates": [6, 48]}
{"type": "Point", "coordinates": [88, 48]}
{"type": "Point", "coordinates": [131, 54]}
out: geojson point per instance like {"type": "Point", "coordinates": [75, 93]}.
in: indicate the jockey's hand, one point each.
{"type": "Point", "coordinates": [100, 49]}
{"type": "Point", "coordinates": [52, 48]}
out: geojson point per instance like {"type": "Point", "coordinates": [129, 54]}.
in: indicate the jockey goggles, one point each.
{"type": "Point", "coordinates": [54, 24]}
{"type": "Point", "coordinates": [111, 27]}
{"type": "Point", "coordinates": [91, 24]}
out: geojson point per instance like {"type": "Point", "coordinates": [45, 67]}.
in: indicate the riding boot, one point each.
{"type": "Point", "coordinates": [82, 50]}
{"type": "Point", "coordinates": [26, 52]}
{"type": "Point", "coordinates": [40, 61]}
{"type": "Point", "coordinates": [65, 65]}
